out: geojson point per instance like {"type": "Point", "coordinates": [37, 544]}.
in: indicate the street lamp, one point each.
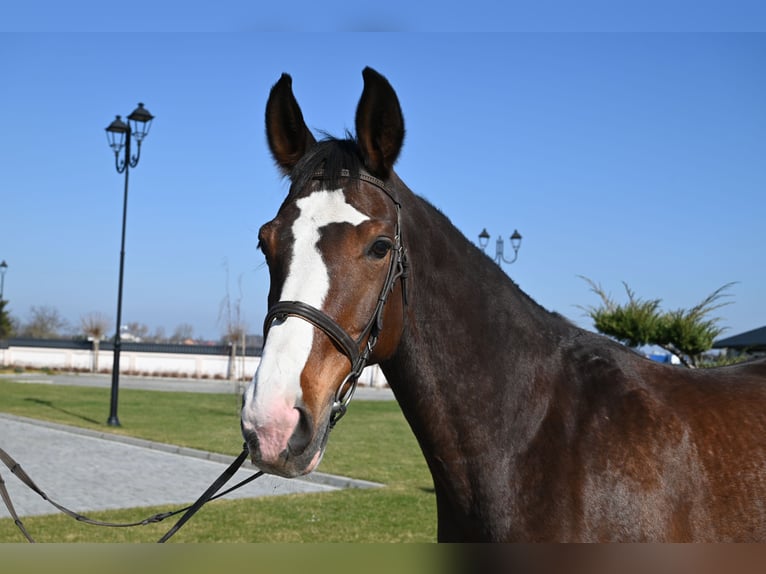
{"type": "Point", "coordinates": [119, 135]}
{"type": "Point", "coordinates": [3, 269]}
{"type": "Point", "coordinates": [500, 246]}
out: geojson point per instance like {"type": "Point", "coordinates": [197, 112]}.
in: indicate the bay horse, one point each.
{"type": "Point", "coordinates": [532, 428]}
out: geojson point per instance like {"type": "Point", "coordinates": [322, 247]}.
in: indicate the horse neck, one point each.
{"type": "Point", "coordinates": [464, 312]}
{"type": "Point", "coordinates": [470, 355]}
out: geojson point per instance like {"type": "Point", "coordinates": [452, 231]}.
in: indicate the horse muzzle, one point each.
{"type": "Point", "coordinates": [287, 444]}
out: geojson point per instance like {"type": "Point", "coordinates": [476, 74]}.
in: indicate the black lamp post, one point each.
{"type": "Point", "coordinates": [3, 269]}
{"type": "Point", "coordinates": [500, 246]}
{"type": "Point", "coordinates": [119, 135]}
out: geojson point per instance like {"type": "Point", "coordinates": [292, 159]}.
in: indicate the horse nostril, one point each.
{"type": "Point", "coordinates": [301, 437]}
{"type": "Point", "coordinates": [251, 440]}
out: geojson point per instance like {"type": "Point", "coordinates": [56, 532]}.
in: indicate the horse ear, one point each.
{"type": "Point", "coordinates": [288, 136]}
{"type": "Point", "coordinates": [379, 124]}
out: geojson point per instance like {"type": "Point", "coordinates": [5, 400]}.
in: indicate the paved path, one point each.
{"type": "Point", "coordinates": [90, 470]}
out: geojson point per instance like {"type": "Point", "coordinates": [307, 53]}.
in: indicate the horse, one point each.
{"type": "Point", "coordinates": [533, 429]}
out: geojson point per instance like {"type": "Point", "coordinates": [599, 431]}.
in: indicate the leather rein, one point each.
{"type": "Point", "coordinates": [210, 494]}
{"type": "Point", "coordinates": [359, 350]}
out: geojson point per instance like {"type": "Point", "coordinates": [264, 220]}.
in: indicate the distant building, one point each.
{"type": "Point", "coordinates": [126, 335]}
{"type": "Point", "coordinates": [750, 342]}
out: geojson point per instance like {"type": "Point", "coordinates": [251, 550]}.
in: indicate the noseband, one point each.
{"type": "Point", "coordinates": [357, 350]}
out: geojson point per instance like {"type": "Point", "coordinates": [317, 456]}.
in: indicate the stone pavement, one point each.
{"type": "Point", "coordinates": [90, 470]}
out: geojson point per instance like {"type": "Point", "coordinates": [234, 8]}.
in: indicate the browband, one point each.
{"type": "Point", "coordinates": [363, 176]}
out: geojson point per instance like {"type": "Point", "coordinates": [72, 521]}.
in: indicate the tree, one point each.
{"type": "Point", "coordinates": [183, 332]}
{"type": "Point", "coordinates": [6, 326]}
{"type": "Point", "coordinates": [138, 330]}
{"type": "Point", "coordinates": [230, 313]}
{"type": "Point", "coordinates": [158, 336]}
{"type": "Point", "coordinates": [235, 328]}
{"type": "Point", "coordinates": [45, 323]}
{"type": "Point", "coordinates": [686, 333]}
{"type": "Point", "coordinates": [94, 325]}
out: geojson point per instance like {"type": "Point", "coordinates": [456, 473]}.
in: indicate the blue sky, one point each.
{"type": "Point", "coordinates": [635, 157]}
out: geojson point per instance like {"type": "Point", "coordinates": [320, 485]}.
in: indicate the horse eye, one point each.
{"type": "Point", "coordinates": [380, 248]}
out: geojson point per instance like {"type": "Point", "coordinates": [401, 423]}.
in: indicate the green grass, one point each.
{"type": "Point", "coordinates": [372, 442]}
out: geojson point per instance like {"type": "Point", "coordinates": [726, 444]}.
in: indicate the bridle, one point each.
{"type": "Point", "coordinates": [360, 349]}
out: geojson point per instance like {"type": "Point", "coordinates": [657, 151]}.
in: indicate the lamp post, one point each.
{"type": "Point", "coordinates": [500, 246]}
{"type": "Point", "coordinates": [3, 269]}
{"type": "Point", "coordinates": [119, 135]}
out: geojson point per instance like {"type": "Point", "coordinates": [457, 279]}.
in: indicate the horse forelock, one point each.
{"type": "Point", "coordinates": [335, 158]}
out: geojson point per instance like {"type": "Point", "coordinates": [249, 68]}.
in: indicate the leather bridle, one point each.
{"type": "Point", "coordinates": [360, 349]}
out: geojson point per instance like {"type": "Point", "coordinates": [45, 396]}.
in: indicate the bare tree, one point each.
{"type": "Point", "coordinates": [138, 330]}
{"type": "Point", "coordinates": [95, 326]}
{"type": "Point", "coordinates": [183, 332]}
{"type": "Point", "coordinates": [235, 328]}
{"type": "Point", "coordinates": [45, 323]}
{"type": "Point", "coordinates": [159, 335]}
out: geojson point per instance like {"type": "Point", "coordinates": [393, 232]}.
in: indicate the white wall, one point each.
{"type": "Point", "coordinates": [150, 364]}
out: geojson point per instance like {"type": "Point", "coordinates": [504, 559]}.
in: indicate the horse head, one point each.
{"type": "Point", "coordinates": [335, 254]}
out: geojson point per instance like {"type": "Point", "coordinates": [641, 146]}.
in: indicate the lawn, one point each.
{"type": "Point", "coordinates": [373, 442]}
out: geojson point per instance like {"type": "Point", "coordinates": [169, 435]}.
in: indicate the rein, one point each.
{"type": "Point", "coordinates": [358, 353]}
{"type": "Point", "coordinates": [210, 494]}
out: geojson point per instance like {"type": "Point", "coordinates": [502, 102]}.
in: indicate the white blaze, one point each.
{"type": "Point", "coordinates": [271, 396]}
